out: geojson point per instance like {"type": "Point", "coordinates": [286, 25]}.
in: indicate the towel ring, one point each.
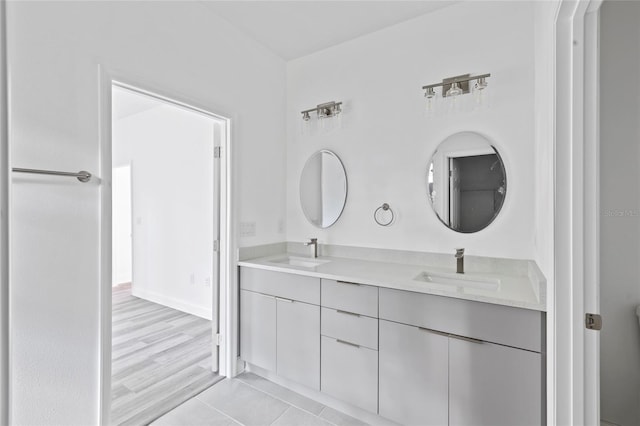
{"type": "Point", "coordinates": [385, 207]}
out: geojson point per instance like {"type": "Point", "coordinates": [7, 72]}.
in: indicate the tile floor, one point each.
{"type": "Point", "coordinates": [253, 401]}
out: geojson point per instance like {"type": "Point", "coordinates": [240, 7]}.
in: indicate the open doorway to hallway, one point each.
{"type": "Point", "coordinates": [165, 257]}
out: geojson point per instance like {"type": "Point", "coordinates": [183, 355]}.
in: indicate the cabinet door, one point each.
{"type": "Point", "coordinates": [413, 375]}
{"type": "Point", "coordinates": [494, 385]}
{"type": "Point", "coordinates": [350, 373]}
{"type": "Point", "coordinates": [298, 347]}
{"type": "Point", "coordinates": [258, 329]}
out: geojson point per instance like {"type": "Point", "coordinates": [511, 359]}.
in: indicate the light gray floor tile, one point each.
{"type": "Point", "coordinates": [340, 419]}
{"type": "Point", "coordinates": [296, 417]}
{"type": "Point", "coordinates": [280, 392]}
{"type": "Point", "coordinates": [194, 413]}
{"type": "Point", "coordinates": [243, 403]}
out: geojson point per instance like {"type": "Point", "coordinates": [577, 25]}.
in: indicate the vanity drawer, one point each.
{"type": "Point", "coordinates": [350, 327]}
{"type": "Point", "coordinates": [349, 373]}
{"type": "Point", "coordinates": [517, 327]}
{"type": "Point", "coordinates": [350, 297]}
{"type": "Point", "coordinates": [280, 284]}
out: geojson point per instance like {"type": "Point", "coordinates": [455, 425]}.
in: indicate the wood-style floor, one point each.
{"type": "Point", "coordinates": [161, 357]}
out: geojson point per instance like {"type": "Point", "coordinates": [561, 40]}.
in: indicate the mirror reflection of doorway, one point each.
{"type": "Point", "coordinates": [476, 191]}
{"type": "Point", "coordinates": [165, 225]}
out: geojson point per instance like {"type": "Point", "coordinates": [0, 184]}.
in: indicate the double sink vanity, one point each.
{"type": "Point", "coordinates": [407, 337]}
{"type": "Point", "coordinates": [411, 343]}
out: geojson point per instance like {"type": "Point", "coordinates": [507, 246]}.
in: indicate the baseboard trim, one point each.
{"type": "Point", "coordinates": [171, 302]}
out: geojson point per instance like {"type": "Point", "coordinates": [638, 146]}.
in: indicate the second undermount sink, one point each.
{"type": "Point", "coordinates": [459, 280]}
{"type": "Point", "coordinates": [305, 262]}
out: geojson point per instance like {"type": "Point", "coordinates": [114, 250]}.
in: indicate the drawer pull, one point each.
{"type": "Point", "coordinates": [347, 282]}
{"type": "Point", "coordinates": [282, 299]}
{"type": "Point", "coordinates": [347, 313]}
{"type": "Point", "coordinates": [439, 333]}
{"type": "Point", "coordinates": [347, 343]}
{"type": "Point", "coordinates": [466, 339]}
{"type": "Point", "coordinates": [453, 336]}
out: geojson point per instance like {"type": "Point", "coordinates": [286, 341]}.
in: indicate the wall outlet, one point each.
{"type": "Point", "coordinates": [192, 279]}
{"type": "Point", "coordinates": [207, 282]}
{"type": "Point", "coordinates": [247, 229]}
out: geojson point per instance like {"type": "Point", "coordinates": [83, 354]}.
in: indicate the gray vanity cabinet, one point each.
{"type": "Point", "coordinates": [298, 342]}
{"type": "Point", "coordinates": [413, 375]}
{"type": "Point", "coordinates": [258, 329]}
{"type": "Point", "coordinates": [280, 324]}
{"type": "Point", "coordinates": [494, 385]}
{"type": "Point", "coordinates": [459, 362]}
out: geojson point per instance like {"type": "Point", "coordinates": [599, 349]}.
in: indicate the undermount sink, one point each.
{"type": "Point", "coordinates": [459, 280]}
{"type": "Point", "coordinates": [305, 262]}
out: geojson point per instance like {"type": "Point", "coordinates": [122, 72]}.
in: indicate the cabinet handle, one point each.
{"type": "Point", "coordinates": [347, 282]}
{"type": "Point", "coordinates": [282, 299]}
{"type": "Point", "coordinates": [347, 343]}
{"type": "Point", "coordinates": [439, 333]}
{"type": "Point", "coordinates": [347, 313]}
{"type": "Point", "coordinates": [453, 336]}
{"type": "Point", "coordinates": [466, 339]}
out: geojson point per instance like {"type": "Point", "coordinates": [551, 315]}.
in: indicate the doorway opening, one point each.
{"type": "Point", "coordinates": [165, 236]}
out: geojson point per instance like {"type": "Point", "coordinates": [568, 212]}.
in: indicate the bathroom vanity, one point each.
{"type": "Point", "coordinates": [414, 344]}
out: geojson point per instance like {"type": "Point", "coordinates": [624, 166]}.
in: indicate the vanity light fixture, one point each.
{"type": "Point", "coordinates": [454, 86]}
{"type": "Point", "coordinates": [325, 110]}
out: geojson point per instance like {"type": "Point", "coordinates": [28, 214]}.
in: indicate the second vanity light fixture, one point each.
{"type": "Point", "coordinates": [325, 110]}
{"type": "Point", "coordinates": [453, 87]}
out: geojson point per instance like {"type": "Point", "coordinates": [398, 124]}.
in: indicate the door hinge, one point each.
{"type": "Point", "coordinates": [593, 321]}
{"type": "Point", "coordinates": [216, 152]}
{"type": "Point", "coordinates": [218, 339]}
{"type": "Point", "coordinates": [216, 245]}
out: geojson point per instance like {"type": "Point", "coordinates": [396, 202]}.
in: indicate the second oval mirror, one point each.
{"type": "Point", "coordinates": [466, 182]}
{"type": "Point", "coordinates": [323, 188]}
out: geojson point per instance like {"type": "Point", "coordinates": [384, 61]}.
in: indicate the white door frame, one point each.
{"type": "Point", "coordinates": [4, 222]}
{"type": "Point", "coordinates": [227, 274]}
{"type": "Point", "coordinates": [576, 212]}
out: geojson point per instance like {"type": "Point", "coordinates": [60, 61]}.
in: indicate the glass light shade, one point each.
{"type": "Point", "coordinates": [481, 94]}
{"type": "Point", "coordinates": [454, 90]}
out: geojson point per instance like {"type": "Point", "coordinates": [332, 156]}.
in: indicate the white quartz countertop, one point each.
{"type": "Point", "coordinates": [512, 286]}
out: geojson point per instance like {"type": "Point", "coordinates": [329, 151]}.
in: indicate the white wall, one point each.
{"type": "Point", "coordinates": [55, 49]}
{"type": "Point", "coordinates": [4, 228]}
{"type": "Point", "coordinates": [121, 250]}
{"type": "Point", "coordinates": [620, 212]}
{"type": "Point", "coordinates": [386, 142]}
{"type": "Point", "coordinates": [171, 153]}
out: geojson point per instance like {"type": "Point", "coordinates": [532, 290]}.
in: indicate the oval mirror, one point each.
{"type": "Point", "coordinates": [466, 182]}
{"type": "Point", "coordinates": [323, 188]}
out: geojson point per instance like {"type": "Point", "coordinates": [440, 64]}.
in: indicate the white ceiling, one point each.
{"type": "Point", "coordinates": [293, 29]}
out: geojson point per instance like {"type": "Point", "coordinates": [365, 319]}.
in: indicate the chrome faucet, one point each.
{"type": "Point", "coordinates": [460, 260]}
{"type": "Point", "coordinates": [313, 242]}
